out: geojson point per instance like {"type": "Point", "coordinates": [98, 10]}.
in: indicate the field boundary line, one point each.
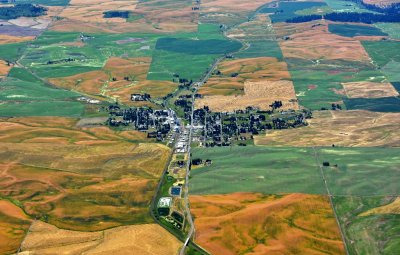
{"type": "Point", "coordinates": [317, 160]}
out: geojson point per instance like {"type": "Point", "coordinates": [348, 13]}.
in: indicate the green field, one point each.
{"type": "Point", "coordinates": [386, 104]}
{"type": "Point", "coordinates": [45, 2]}
{"type": "Point", "coordinates": [355, 30]}
{"type": "Point", "coordinates": [12, 52]}
{"type": "Point", "coordinates": [383, 52]}
{"type": "Point", "coordinates": [393, 29]}
{"type": "Point", "coordinates": [362, 171]}
{"type": "Point", "coordinates": [261, 48]}
{"type": "Point", "coordinates": [359, 171]}
{"type": "Point", "coordinates": [190, 55]}
{"type": "Point", "coordinates": [256, 169]}
{"type": "Point", "coordinates": [24, 95]}
{"type": "Point", "coordinates": [345, 6]}
{"type": "Point", "coordinates": [287, 10]}
{"type": "Point", "coordinates": [51, 46]}
{"type": "Point", "coordinates": [327, 77]}
{"type": "Point", "coordinates": [373, 234]}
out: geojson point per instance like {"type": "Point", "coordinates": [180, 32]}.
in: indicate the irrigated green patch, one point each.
{"type": "Point", "coordinates": [372, 234]}
{"type": "Point", "coordinates": [362, 171]}
{"type": "Point", "coordinates": [355, 30]}
{"type": "Point", "coordinates": [256, 169]}
{"type": "Point", "coordinates": [287, 10]}
{"type": "Point", "coordinates": [386, 104]}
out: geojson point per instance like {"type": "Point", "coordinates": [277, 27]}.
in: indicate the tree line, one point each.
{"type": "Point", "coordinates": [21, 10]}
{"type": "Point", "coordinates": [389, 14]}
{"type": "Point", "coordinates": [364, 17]}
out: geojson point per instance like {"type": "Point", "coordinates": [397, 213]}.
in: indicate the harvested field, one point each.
{"type": "Point", "coordinates": [149, 239]}
{"type": "Point", "coordinates": [312, 40]}
{"type": "Point", "coordinates": [251, 223]}
{"type": "Point", "coordinates": [92, 11]}
{"type": "Point", "coordinates": [257, 94]}
{"type": "Point", "coordinates": [231, 5]}
{"type": "Point", "coordinates": [248, 69]}
{"type": "Point", "coordinates": [369, 89]}
{"type": "Point", "coordinates": [148, 16]}
{"type": "Point", "coordinates": [342, 128]}
{"type": "Point", "coordinates": [86, 179]}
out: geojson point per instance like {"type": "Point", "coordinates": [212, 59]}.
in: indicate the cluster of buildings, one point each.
{"type": "Point", "coordinates": [229, 128]}
{"type": "Point", "coordinates": [157, 123]}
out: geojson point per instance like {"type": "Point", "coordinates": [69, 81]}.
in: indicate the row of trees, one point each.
{"type": "Point", "coordinates": [364, 17]}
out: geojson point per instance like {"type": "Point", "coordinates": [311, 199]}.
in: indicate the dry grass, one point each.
{"type": "Point", "coordinates": [57, 169]}
{"type": "Point", "coordinates": [13, 225]}
{"type": "Point", "coordinates": [168, 16]}
{"type": "Point", "coordinates": [91, 11]}
{"type": "Point", "coordinates": [231, 5]}
{"type": "Point", "coordinates": [369, 89]}
{"type": "Point", "coordinates": [392, 208]}
{"type": "Point", "coordinates": [4, 68]}
{"type": "Point", "coordinates": [149, 239]}
{"type": "Point", "coordinates": [312, 40]}
{"type": "Point", "coordinates": [342, 128]}
{"type": "Point", "coordinates": [248, 69]}
{"type": "Point", "coordinates": [5, 39]}
{"type": "Point", "coordinates": [248, 223]}
{"type": "Point", "coordinates": [257, 94]}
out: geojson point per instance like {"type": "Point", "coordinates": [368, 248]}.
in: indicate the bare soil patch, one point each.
{"type": "Point", "coordinates": [342, 128]}
{"type": "Point", "coordinates": [241, 223]}
{"type": "Point", "coordinates": [369, 89]}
